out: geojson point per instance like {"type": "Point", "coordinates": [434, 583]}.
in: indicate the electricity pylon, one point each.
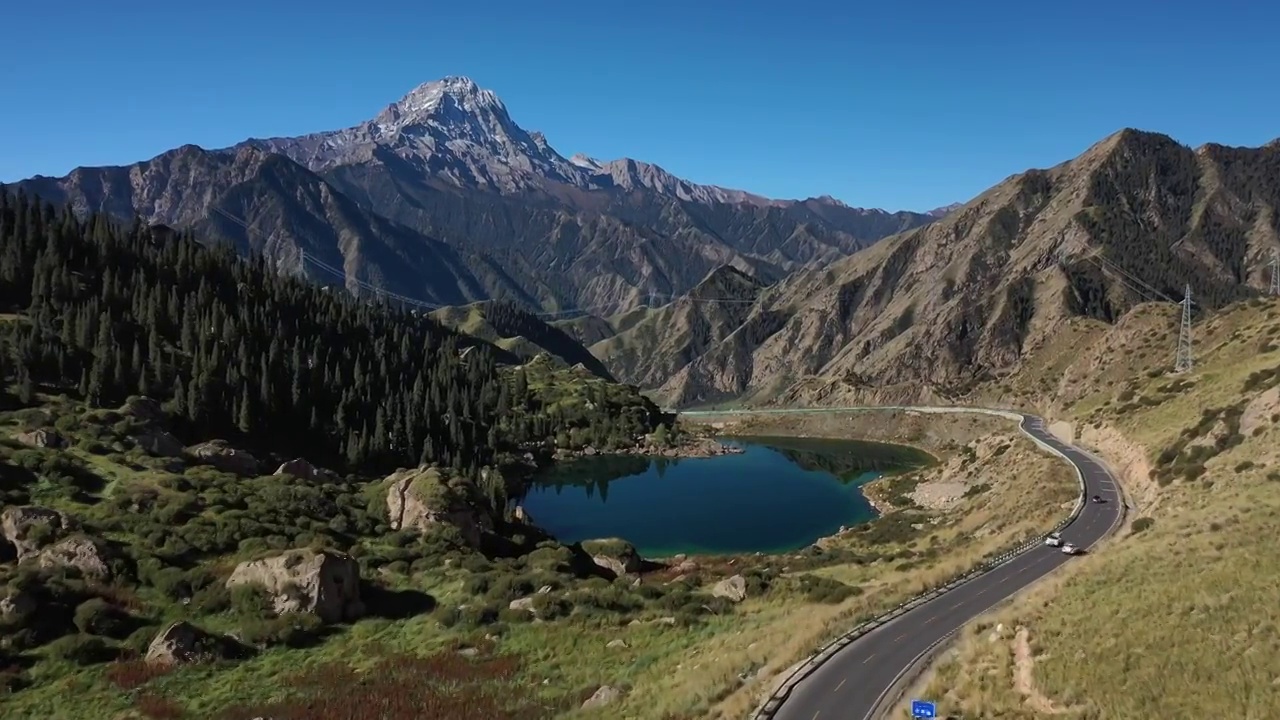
{"type": "Point", "coordinates": [1275, 272]}
{"type": "Point", "coordinates": [1183, 363]}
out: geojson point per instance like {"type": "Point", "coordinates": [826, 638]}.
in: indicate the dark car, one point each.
{"type": "Point", "coordinates": [1098, 498]}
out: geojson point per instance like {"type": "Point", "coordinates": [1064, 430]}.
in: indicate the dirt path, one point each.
{"type": "Point", "coordinates": [1024, 676]}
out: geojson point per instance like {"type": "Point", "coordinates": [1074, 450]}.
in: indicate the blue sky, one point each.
{"type": "Point", "coordinates": [902, 105]}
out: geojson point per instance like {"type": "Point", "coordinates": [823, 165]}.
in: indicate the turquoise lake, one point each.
{"type": "Point", "coordinates": [779, 495]}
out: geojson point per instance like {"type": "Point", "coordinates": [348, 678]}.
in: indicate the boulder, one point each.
{"type": "Point", "coordinates": [605, 695]}
{"type": "Point", "coordinates": [159, 443]}
{"type": "Point", "coordinates": [686, 567]}
{"type": "Point", "coordinates": [524, 603]}
{"type": "Point", "coordinates": [221, 455]}
{"type": "Point", "coordinates": [614, 554]}
{"type": "Point", "coordinates": [30, 527]}
{"type": "Point", "coordinates": [521, 515]}
{"type": "Point", "coordinates": [733, 589]}
{"type": "Point", "coordinates": [422, 498]}
{"type": "Point", "coordinates": [41, 438]}
{"type": "Point", "coordinates": [16, 607]}
{"type": "Point", "coordinates": [181, 643]}
{"type": "Point", "coordinates": [85, 554]}
{"type": "Point", "coordinates": [143, 408]}
{"type": "Point", "coordinates": [300, 468]}
{"type": "Point", "coordinates": [324, 583]}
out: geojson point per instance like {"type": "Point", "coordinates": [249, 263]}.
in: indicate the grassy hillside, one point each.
{"type": "Point", "coordinates": [650, 345]}
{"type": "Point", "coordinates": [1179, 612]}
{"type": "Point", "coordinates": [519, 332]}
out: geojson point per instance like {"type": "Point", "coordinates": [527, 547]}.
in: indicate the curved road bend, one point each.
{"type": "Point", "coordinates": [851, 684]}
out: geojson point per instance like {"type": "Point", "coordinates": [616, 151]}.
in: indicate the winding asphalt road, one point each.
{"type": "Point", "coordinates": [855, 682]}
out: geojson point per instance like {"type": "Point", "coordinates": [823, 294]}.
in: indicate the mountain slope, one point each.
{"type": "Point", "coordinates": [519, 332]}
{"type": "Point", "coordinates": [443, 198]}
{"type": "Point", "coordinates": [927, 313]}
{"type": "Point", "coordinates": [651, 345]}
{"type": "Point", "coordinates": [448, 160]}
{"type": "Point", "coordinates": [269, 205]}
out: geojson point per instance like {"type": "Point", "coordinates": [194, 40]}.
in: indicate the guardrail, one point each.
{"type": "Point", "coordinates": [771, 705]}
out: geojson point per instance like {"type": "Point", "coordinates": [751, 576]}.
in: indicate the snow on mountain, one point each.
{"type": "Point", "coordinates": [457, 131]}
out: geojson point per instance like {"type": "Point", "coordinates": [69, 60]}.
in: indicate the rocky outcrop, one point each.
{"type": "Point", "coordinates": [324, 583]}
{"type": "Point", "coordinates": [424, 498]}
{"type": "Point", "coordinates": [300, 468]}
{"type": "Point", "coordinates": [143, 408]}
{"type": "Point", "coordinates": [605, 695]}
{"type": "Point", "coordinates": [28, 528]}
{"type": "Point", "coordinates": [222, 456]}
{"type": "Point", "coordinates": [733, 589]}
{"type": "Point", "coordinates": [42, 438]}
{"type": "Point", "coordinates": [159, 443]}
{"type": "Point", "coordinates": [87, 555]}
{"type": "Point", "coordinates": [614, 554]}
{"type": "Point", "coordinates": [182, 643]}
{"type": "Point", "coordinates": [16, 606]}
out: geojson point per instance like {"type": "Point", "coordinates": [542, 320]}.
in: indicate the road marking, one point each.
{"type": "Point", "coordinates": [840, 685]}
{"type": "Point", "coordinates": [815, 715]}
{"type": "Point", "coordinates": [864, 662]}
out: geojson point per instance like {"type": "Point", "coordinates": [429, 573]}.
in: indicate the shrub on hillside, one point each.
{"type": "Point", "coordinates": [1142, 524]}
{"type": "Point", "coordinates": [82, 649]}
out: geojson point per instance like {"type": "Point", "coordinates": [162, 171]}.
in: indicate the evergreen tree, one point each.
{"type": "Point", "coordinates": [233, 349]}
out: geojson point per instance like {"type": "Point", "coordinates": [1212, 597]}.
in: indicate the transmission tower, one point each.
{"type": "Point", "coordinates": [1184, 362]}
{"type": "Point", "coordinates": [1275, 271]}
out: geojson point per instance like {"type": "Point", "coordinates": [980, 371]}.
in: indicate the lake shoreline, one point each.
{"type": "Point", "coordinates": [759, 506]}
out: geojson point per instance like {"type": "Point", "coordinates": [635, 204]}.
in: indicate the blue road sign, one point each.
{"type": "Point", "coordinates": [923, 709]}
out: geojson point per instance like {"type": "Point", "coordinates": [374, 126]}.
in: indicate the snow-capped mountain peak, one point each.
{"type": "Point", "coordinates": [454, 130]}
{"type": "Point", "coordinates": [454, 94]}
{"type": "Point", "coordinates": [587, 163]}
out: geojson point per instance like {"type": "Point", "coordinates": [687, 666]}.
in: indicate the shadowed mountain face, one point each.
{"type": "Point", "coordinates": [927, 313]}
{"type": "Point", "coordinates": [443, 198]}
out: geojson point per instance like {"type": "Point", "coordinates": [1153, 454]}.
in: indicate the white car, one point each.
{"type": "Point", "coordinates": [1054, 540]}
{"type": "Point", "coordinates": [1070, 549]}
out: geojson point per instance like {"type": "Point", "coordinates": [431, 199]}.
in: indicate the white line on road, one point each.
{"type": "Point", "coordinates": [840, 685]}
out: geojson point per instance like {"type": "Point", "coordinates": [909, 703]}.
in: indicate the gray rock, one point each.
{"type": "Point", "coordinates": [159, 443]}
{"type": "Point", "coordinates": [325, 583]}
{"type": "Point", "coordinates": [82, 553]}
{"type": "Point", "coordinates": [222, 456]}
{"type": "Point", "coordinates": [605, 695]}
{"type": "Point", "coordinates": [41, 438]}
{"type": "Point", "coordinates": [421, 498]}
{"type": "Point", "coordinates": [300, 468]}
{"type": "Point", "coordinates": [732, 588]}
{"type": "Point", "coordinates": [181, 643]}
{"type": "Point", "coordinates": [28, 528]}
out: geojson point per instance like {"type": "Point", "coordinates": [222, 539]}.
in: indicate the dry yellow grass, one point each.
{"type": "Point", "coordinates": [1178, 619]}
{"type": "Point", "coordinates": [1029, 492]}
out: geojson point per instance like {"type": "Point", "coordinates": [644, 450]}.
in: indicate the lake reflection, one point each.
{"type": "Point", "coordinates": [780, 494]}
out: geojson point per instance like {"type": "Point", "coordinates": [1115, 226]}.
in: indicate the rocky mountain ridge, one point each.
{"type": "Point", "coordinates": [926, 314]}
{"type": "Point", "coordinates": [443, 198]}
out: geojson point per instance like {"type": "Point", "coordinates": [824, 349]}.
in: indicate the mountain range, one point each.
{"type": "Point", "coordinates": [701, 293]}
{"type": "Point", "coordinates": [932, 313]}
{"type": "Point", "coordinates": [443, 199]}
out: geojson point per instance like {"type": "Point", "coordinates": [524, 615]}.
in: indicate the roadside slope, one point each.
{"type": "Point", "coordinates": [1198, 455]}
